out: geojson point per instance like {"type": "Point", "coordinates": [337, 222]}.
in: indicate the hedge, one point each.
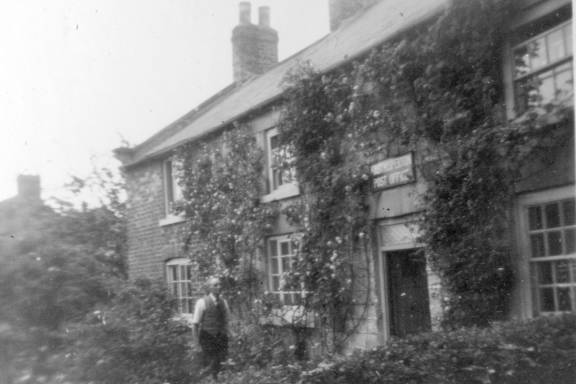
{"type": "Point", "coordinates": [536, 351]}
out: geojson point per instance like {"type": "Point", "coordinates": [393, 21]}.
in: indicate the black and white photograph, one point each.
{"type": "Point", "coordinates": [287, 192]}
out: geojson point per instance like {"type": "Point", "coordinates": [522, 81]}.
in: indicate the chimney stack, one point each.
{"type": "Point", "coordinates": [254, 47]}
{"type": "Point", "coordinates": [29, 187]}
{"type": "Point", "coordinates": [340, 10]}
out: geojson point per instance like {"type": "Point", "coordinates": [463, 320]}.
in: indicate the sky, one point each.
{"type": "Point", "coordinates": [82, 77]}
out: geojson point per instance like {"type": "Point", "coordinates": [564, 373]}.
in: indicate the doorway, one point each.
{"type": "Point", "coordinates": [409, 305]}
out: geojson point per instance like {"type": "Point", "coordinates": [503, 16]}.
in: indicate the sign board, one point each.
{"type": "Point", "coordinates": [394, 171]}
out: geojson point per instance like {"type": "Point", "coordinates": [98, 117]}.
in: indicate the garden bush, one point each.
{"type": "Point", "coordinates": [135, 339]}
{"type": "Point", "coordinates": [536, 351]}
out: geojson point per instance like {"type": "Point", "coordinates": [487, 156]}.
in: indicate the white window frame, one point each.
{"type": "Point", "coordinates": [527, 18]}
{"type": "Point", "coordinates": [528, 280]}
{"type": "Point", "coordinates": [172, 192]}
{"type": "Point", "coordinates": [179, 280]}
{"type": "Point", "coordinates": [282, 191]}
{"type": "Point", "coordinates": [277, 269]}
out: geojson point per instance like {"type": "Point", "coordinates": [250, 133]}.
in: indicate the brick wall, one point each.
{"type": "Point", "coordinates": [149, 244]}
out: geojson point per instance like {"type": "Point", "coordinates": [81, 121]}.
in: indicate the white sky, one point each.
{"type": "Point", "coordinates": [79, 76]}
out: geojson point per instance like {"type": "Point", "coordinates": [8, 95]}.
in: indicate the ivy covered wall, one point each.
{"type": "Point", "coordinates": [436, 92]}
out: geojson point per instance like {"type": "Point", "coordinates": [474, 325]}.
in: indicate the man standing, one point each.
{"type": "Point", "coordinates": [210, 327]}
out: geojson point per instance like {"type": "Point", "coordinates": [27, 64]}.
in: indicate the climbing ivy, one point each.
{"type": "Point", "coordinates": [435, 91]}
{"type": "Point", "coordinates": [225, 222]}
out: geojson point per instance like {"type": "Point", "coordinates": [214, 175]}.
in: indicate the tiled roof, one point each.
{"type": "Point", "coordinates": [377, 24]}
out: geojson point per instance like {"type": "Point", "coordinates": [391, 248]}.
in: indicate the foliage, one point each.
{"type": "Point", "coordinates": [56, 267]}
{"type": "Point", "coordinates": [434, 91]}
{"type": "Point", "coordinates": [133, 339]}
{"type": "Point", "coordinates": [333, 210]}
{"type": "Point", "coordinates": [477, 186]}
{"type": "Point", "coordinates": [536, 351]}
{"type": "Point", "coordinates": [225, 222]}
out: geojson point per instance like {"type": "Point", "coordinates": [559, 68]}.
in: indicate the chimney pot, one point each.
{"type": "Point", "coordinates": [245, 12]}
{"type": "Point", "coordinates": [264, 16]}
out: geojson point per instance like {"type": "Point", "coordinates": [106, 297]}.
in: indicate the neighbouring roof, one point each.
{"type": "Point", "coordinates": [377, 24]}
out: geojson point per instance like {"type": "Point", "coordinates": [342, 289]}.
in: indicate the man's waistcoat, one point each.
{"type": "Point", "coordinates": [214, 318]}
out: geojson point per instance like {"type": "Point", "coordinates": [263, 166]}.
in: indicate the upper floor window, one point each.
{"type": "Point", "coordinates": [179, 279]}
{"type": "Point", "coordinates": [281, 171]}
{"type": "Point", "coordinates": [173, 191]}
{"type": "Point", "coordinates": [282, 256]}
{"type": "Point", "coordinates": [542, 67]}
{"type": "Point", "coordinates": [551, 239]}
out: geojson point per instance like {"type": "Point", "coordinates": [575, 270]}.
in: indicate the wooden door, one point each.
{"type": "Point", "coordinates": [408, 293]}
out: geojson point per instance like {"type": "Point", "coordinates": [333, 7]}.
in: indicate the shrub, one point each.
{"type": "Point", "coordinates": [259, 346]}
{"type": "Point", "coordinates": [537, 351]}
{"type": "Point", "coordinates": [133, 340]}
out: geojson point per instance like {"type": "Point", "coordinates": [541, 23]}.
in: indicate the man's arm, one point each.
{"type": "Point", "coordinates": [197, 318]}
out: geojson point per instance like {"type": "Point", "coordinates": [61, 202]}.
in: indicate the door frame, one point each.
{"type": "Point", "coordinates": [381, 264]}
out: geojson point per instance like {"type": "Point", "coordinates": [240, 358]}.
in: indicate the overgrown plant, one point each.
{"type": "Point", "coordinates": [226, 223]}
{"type": "Point", "coordinates": [332, 210]}
{"type": "Point", "coordinates": [435, 91]}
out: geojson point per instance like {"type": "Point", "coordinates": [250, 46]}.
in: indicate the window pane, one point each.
{"type": "Point", "coordinates": [275, 283]}
{"type": "Point", "coordinates": [274, 265]}
{"type": "Point", "coordinates": [547, 299]}
{"type": "Point", "coordinates": [183, 276]}
{"type": "Point", "coordinates": [288, 299]}
{"type": "Point", "coordinates": [521, 61]}
{"type": "Point", "coordinates": [569, 236]}
{"type": "Point", "coordinates": [273, 248]}
{"type": "Point", "coordinates": [521, 99]}
{"type": "Point", "coordinates": [274, 142]}
{"type": "Point", "coordinates": [286, 264]}
{"type": "Point", "coordinates": [174, 289]}
{"type": "Point", "coordinates": [552, 216]}
{"type": "Point", "coordinates": [555, 42]}
{"type": "Point", "coordinates": [563, 83]}
{"type": "Point", "coordinates": [544, 273]}
{"type": "Point", "coordinates": [189, 272]}
{"type": "Point", "coordinates": [554, 243]}
{"type": "Point", "coordinates": [535, 218]}
{"type": "Point", "coordinates": [546, 91]}
{"type": "Point", "coordinates": [172, 273]}
{"type": "Point", "coordinates": [568, 38]}
{"type": "Point", "coordinates": [285, 248]}
{"type": "Point", "coordinates": [297, 299]}
{"type": "Point", "coordinates": [564, 299]}
{"type": "Point", "coordinates": [562, 271]}
{"type": "Point", "coordinates": [568, 211]}
{"type": "Point", "coordinates": [538, 54]}
{"type": "Point", "coordinates": [537, 243]}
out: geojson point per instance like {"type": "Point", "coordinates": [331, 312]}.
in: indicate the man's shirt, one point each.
{"type": "Point", "coordinates": [200, 307]}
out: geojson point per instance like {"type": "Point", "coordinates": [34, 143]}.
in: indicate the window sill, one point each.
{"type": "Point", "coordinates": [184, 318]}
{"type": "Point", "coordinates": [289, 315]}
{"type": "Point", "coordinates": [171, 220]}
{"type": "Point", "coordinates": [283, 192]}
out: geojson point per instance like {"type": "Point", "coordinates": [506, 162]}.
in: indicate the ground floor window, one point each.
{"type": "Point", "coordinates": [282, 255]}
{"type": "Point", "coordinates": [548, 241]}
{"type": "Point", "coordinates": [179, 279]}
